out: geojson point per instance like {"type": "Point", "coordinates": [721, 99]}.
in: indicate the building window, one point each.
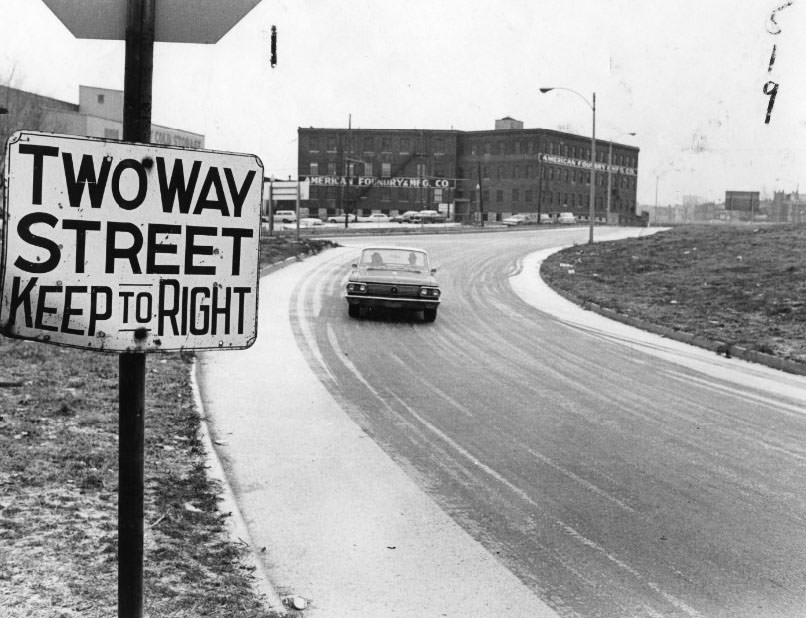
{"type": "Point", "coordinates": [439, 145]}
{"type": "Point", "coordinates": [421, 170]}
{"type": "Point", "coordinates": [100, 99]}
{"type": "Point", "coordinates": [331, 143]}
{"type": "Point", "coordinates": [527, 196]}
{"type": "Point", "coordinates": [314, 168]}
{"type": "Point", "coordinates": [499, 196]}
{"type": "Point", "coordinates": [437, 195]}
{"type": "Point", "coordinates": [516, 195]}
{"type": "Point", "coordinates": [386, 144]}
{"type": "Point", "coordinates": [485, 195]}
{"type": "Point", "coordinates": [516, 171]}
{"type": "Point", "coordinates": [369, 145]}
{"type": "Point", "coordinates": [386, 194]}
{"type": "Point", "coordinates": [386, 170]}
{"type": "Point", "coordinates": [331, 168]}
{"type": "Point", "coordinates": [405, 145]}
{"type": "Point", "coordinates": [367, 168]}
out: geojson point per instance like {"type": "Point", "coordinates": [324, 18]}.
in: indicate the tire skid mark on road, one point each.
{"type": "Point", "coordinates": [743, 393]}
{"type": "Point", "coordinates": [477, 464]}
{"type": "Point", "coordinates": [305, 304]}
{"type": "Point", "coordinates": [567, 528]}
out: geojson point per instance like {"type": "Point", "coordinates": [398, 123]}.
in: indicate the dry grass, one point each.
{"type": "Point", "coordinates": [738, 285]}
{"type": "Point", "coordinates": [58, 488]}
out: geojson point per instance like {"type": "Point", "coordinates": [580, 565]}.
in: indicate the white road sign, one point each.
{"type": "Point", "coordinates": [289, 190]}
{"type": "Point", "coordinates": [116, 246]}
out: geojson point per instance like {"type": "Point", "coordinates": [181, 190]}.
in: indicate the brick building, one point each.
{"type": "Point", "coordinates": [466, 174]}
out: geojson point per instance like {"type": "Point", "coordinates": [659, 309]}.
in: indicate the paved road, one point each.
{"type": "Point", "coordinates": [611, 476]}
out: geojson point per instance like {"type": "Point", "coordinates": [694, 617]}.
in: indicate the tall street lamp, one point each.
{"type": "Point", "coordinates": [592, 105]}
{"type": "Point", "coordinates": [610, 171]}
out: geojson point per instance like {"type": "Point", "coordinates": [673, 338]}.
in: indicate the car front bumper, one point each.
{"type": "Point", "coordinates": [394, 302]}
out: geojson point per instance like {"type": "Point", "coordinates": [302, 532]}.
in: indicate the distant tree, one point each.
{"type": "Point", "coordinates": [19, 110]}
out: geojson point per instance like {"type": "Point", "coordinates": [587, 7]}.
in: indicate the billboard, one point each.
{"type": "Point", "coordinates": [742, 200]}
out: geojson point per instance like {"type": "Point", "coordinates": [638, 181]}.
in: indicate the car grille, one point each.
{"type": "Point", "coordinates": [389, 289]}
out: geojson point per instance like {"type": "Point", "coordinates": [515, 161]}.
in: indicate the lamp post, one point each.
{"type": "Point", "coordinates": [610, 171]}
{"type": "Point", "coordinates": [592, 105]}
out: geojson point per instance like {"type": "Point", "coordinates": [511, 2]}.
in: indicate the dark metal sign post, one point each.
{"type": "Point", "coordinates": [140, 23]}
{"type": "Point", "coordinates": [132, 365]}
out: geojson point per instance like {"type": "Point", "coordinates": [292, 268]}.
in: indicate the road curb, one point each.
{"type": "Point", "coordinates": [719, 347]}
{"type": "Point", "coordinates": [235, 523]}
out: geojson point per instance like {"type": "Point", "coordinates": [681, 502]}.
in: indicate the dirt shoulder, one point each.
{"type": "Point", "coordinates": [58, 487]}
{"type": "Point", "coordinates": [729, 288]}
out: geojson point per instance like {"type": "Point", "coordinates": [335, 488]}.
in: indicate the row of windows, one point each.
{"type": "Point", "coordinates": [367, 168]}
{"type": "Point", "coordinates": [371, 143]}
{"type": "Point", "coordinates": [556, 197]}
{"type": "Point", "coordinates": [435, 195]}
{"type": "Point", "coordinates": [510, 147]}
{"type": "Point", "coordinates": [548, 172]}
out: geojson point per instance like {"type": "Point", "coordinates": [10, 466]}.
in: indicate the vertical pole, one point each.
{"type": "Point", "coordinates": [609, 177]}
{"type": "Point", "coordinates": [481, 199]}
{"type": "Point", "coordinates": [297, 208]}
{"type": "Point", "coordinates": [131, 427]}
{"type": "Point", "coordinates": [271, 207]}
{"type": "Point", "coordinates": [131, 394]}
{"type": "Point", "coordinates": [592, 211]}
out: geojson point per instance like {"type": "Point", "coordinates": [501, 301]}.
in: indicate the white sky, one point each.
{"type": "Point", "coordinates": [686, 76]}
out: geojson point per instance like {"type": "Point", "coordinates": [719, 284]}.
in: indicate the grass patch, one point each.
{"type": "Point", "coordinates": [739, 285]}
{"type": "Point", "coordinates": [58, 487]}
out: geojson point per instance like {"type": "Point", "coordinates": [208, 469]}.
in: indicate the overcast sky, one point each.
{"type": "Point", "coordinates": [685, 76]}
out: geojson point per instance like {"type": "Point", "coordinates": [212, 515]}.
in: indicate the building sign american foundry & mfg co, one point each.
{"type": "Point", "coordinates": [117, 246]}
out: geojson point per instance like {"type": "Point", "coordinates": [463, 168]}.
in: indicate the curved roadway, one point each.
{"type": "Point", "coordinates": [611, 479]}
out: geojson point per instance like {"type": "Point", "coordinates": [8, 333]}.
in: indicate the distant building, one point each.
{"type": "Point", "coordinates": [742, 200]}
{"type": "Point", "coordinates": [99, 113]}
{"type": "Point", "coordinates": [788, 208]}
{"type": "Point", "coordinates": [467, 174]}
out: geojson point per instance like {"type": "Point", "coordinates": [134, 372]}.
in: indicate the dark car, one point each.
{"type": "Point", "coordinates": [393, 278]}
{"type": "Point", "coordinates": [428, 216]}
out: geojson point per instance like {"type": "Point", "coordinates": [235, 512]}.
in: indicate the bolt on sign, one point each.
{"type": "Point", "coordinates": [121, 247]}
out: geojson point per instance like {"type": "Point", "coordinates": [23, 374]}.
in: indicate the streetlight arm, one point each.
{"type": "Point", "coordinates": [581, 96]}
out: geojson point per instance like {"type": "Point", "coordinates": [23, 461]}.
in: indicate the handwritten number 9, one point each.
{"type": "Point", "coordinates": [770, 89]}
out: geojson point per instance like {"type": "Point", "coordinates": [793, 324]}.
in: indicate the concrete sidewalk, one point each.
{"type": "Point", "coordinates": [343, 525]}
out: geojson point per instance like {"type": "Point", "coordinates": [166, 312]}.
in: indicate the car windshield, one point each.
{"type": "Point", "coordinates": [395, 259]}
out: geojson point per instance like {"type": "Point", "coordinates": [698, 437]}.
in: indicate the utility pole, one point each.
{"type": "Point", "coordinates": [481, 195]}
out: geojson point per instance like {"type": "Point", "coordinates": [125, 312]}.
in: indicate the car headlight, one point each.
{"type": "Point", "coordinates": [429, 292]}
{"type": "Point", "coordinates": [356, 288]}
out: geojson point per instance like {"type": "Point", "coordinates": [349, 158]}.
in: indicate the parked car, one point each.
{"type": "Point", "coordinates": [406, 217]}
{"type": "Point", "coordinates": [310, 222]}
{"type": "Point", "coordinates": [351, 218]}
{"type": "Point", "coordinates": [285, 216]}
{"type": "Point", "coordinates": [566, 217]}
{"type": "Point", "coordinates": [375, 217]}
{"type": "Point", "coordinates": [428, 216]}
{"type": "Point", "coordinates": [393, 278]}
{"type": "Point", "coordinates": [520, 219]}
{"type": "Point", "coordinates": [544, 218]}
